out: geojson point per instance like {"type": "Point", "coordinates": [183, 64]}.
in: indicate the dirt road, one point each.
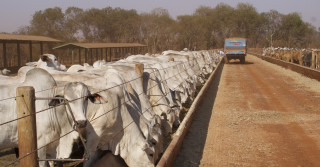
{"type": "Point", "coordinates": [259, 115]}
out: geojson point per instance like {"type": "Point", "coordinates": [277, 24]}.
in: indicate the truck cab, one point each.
{"type": "Point", "coordinates": [235, 48]}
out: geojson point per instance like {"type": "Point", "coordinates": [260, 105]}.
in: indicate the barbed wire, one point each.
{"type": "Point", "coordinates": [81, 81]}
{"type": "Point", "coordinates": [90, 122]}
{"type": "Point", "coordinates": [17, 160]}
{"type": "Point", "coordinates": [102, 90]}
{"type": "Point", "coordinates": [83, 96]}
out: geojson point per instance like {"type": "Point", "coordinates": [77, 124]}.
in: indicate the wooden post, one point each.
{"type": "Point", "coordinates": [101, 53]}
{"type": "Point", "coordinates": [30, 51]}
{"type": "Point", "coordinates": [86, 55]}
{"type": "Point", "coordinates": [313, 65]}
{"type": "Point", "coordinates": [139, 67]}
{"type": "Point", "coordinates": [72, 56]}
{"type": "Point", "coordinates": [27, 132]}
{"type": "Point", "coordinates": [41, 48]}
{"type": "Point", "coordinates": [91, 56]}
{"type": "Point", "coordinates": [79, 55]}
{"type": "Point", "coordinates": [19, 53]}
{"type": "Point", "coordinates": [110, 54]}
{"type": "Point", "coordinates": [106, 56]}
{"type": "Point", "coordinates": [97, 55]}
{"type": "Point", "coordinates": [4, 55]}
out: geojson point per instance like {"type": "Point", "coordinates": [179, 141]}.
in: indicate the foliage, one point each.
{"type": "Point", "coordinates": [206, 28]}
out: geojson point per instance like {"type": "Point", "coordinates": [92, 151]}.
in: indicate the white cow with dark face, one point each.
{"type": "Point", "coordinates": [48, 62]}
{"type": "Point", "coordinates": [51, 124]}
{"type": "Point", "coordinates": [103, 127]}
{"type": "Point", "coordinates": [115, 126]}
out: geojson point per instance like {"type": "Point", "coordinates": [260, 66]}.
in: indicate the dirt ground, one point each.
{"type": "Point", "coordinates": [256, 114]}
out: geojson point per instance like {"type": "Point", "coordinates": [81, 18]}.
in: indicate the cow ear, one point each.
{"type": "Point", "coordinates": [148, 150]}
{"type": "Point", "coordinates": [55, 102]}
{"type": "Point", "coordinates": [97, 99]}
{"type": "Point", "coordinates": [164, 116]}
{"type": "Point", "coordinates": [44, 58]}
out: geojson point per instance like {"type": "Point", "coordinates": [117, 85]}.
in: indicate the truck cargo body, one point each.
{"type": "Point", "coordinates": [235, 48]}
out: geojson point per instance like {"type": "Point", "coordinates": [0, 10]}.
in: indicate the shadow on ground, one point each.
{"type": "Point", "coordinates": [193, 144]}
{"type": "Point", "coordinates": [238, 63]}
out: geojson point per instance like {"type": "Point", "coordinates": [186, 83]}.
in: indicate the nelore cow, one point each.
{"type": "Point", "coordinates": [48, 62]}
{"type": "Point", "coordinates": [106, 131]}
{"type": "Point", "coordinates": [128, 116]}
{"type": "Point", "coordinates": [117, 126]}
{"type": "Point", "coordinates": [51, 124]}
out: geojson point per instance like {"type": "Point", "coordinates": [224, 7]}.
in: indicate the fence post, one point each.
{"type": "Point", "coordinates": [313, 59]}
{"type": "Point", "coordinates": [27, 132]}
{"type": "Point", "coordinates": [139, 69]}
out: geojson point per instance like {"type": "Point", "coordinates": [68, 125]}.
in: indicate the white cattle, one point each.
{"type": "Point", "coordinates": [7, 80]}
{"type": "Point", "coordinates": [175, 91]}
{"type": "Point", "coordinates": [5, 72]}
{"type": "Point", "coordinates": [137, 100]}
{"type": "Point", "coordinates": [99, 63]}
{"type": "Point", "coordinates": [150, 129]}
{"type": "Point", "coordinates": [201, 61]}
{"type": "Point", "coordinates": [168, 77]}
{"type": "Point", "coordinates": [149, 92]}
{"type": "Point", "coordinates": [48, 62]}
{"type": "Point", "coordinates": [51, 124]}
{"type": "Point", "coordinates": [79, 68]}
{"type": "Point", "coordinates": [118, 127]}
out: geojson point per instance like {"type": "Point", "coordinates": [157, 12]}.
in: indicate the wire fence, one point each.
{"type": "Point", "coordinates": [107, 111]}
{"type": "Point", "coordinates": [64, 103]}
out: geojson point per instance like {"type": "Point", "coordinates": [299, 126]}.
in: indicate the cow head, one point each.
{"type": "Point", "coordinates": [77, 95]}
{"type": "Point", "coordinates": [50, 62]}
{"type": "Point", "coordinates": [5, 72]}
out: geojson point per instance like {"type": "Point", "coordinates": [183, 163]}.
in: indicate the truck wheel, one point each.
{"type": "Point", "coordinates": [242, 60]}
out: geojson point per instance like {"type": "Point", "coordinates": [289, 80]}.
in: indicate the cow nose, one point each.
{"type": "Point", "coordinates": [82, 123]}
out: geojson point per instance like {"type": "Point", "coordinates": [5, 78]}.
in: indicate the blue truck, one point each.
{"type": "Point", "coordinates": [235, 48]}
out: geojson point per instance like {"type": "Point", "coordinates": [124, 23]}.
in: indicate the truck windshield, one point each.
{"type": "Point", "coordinates": [235, 43]}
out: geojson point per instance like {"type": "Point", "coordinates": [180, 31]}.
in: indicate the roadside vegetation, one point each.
{"type": "Point", "coordinates": [206, 28]}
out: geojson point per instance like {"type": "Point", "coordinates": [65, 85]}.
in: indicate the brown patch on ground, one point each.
{"type": "Point", "coordinates": [262, 115]}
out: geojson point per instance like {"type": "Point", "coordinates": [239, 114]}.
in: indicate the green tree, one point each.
{"type": "Point", "coordinates": [49, 22]}
{"type": "Point", "coordinates": [157, 30]}
{"type": "Point", "coordinates": [293, 29]}
{"type": "Point", "coordinates": [72, 24]}
{"type": "Point", "coordinates": [206, 28]}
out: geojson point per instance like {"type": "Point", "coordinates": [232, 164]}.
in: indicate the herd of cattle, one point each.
{"type": "Point", "coordinates": [298, 56]}
{"type": "Point", "coordinates": [113, 105]}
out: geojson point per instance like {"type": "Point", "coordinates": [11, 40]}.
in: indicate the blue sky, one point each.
{"type": "Point", "coordinates": [17, 13]}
